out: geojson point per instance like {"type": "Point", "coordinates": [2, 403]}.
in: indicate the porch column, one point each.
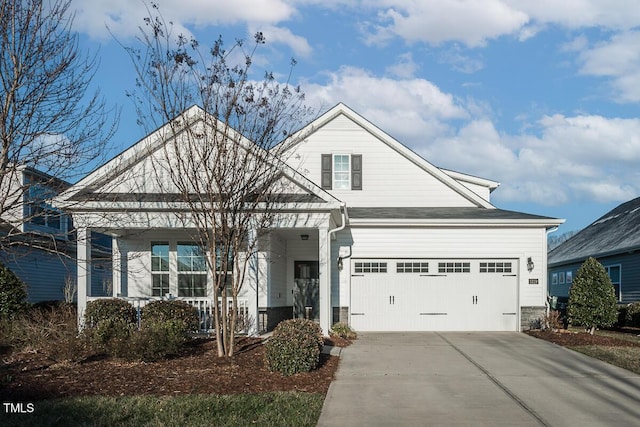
{"type": "Point", "coordinates": [253, 273]}
{"type": "Point", "coordinates": [116, 267]}
{"type": "Point", "coordinates": [324, 267]}
{"type": "Point", "coordinates": [83, 270]}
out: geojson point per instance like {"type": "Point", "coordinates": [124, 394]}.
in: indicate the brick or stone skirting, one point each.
{"type": "Point", "coordinates": [340, 314]}
{"type": "Point", "coordinates": [271, 316]}
{"type": "Point", "coordinates": [530, 317]}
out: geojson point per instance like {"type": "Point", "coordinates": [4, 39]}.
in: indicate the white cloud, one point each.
{"type": "Point", "coordinates": [410, 109]}
{"type": "Point", "coordinates": [461, 62]}
{"type": "Point", "coordinates": [618, 59]}
{"type": "Point", "coordinates": [573, 14]}
{"type": "Point", "coordinates": [404, 68]}
{"type": "Point", "coordinates": [124, 17]}
{"type": "Point", "coordinates": [471, 22]}
{"type": "Point", "coordinates": [571, 158]}
{"type": "Point", "coordinates": [299, 45]}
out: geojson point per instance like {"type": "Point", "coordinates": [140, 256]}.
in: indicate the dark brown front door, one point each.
{"type": "Point", "coordinates": [306, 291]}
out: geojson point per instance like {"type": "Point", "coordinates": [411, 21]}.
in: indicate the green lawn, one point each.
{"type": "Point", "coordinates": [624, 357]}
{"type": "Point", "coordinates": [267, 409]}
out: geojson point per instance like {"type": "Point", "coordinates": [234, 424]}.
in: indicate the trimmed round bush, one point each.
{"type": "Point", "coordinates": [109, 309]}
{"type": "Point", "coordinates": [13, 294]}
{"type": "Point", "coordinates": [178, 314]}
{"type": "Point", "coordinates": [294, 347]}
{"type": "Point", "coordinates": [109, 320]}
{"type": "Point", "coordinates": [632, 315]}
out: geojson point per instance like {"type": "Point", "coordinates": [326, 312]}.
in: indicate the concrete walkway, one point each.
{"type": "Point", "coordinates": [480, 378]}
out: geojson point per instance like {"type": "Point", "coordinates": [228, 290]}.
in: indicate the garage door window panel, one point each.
{"type": "Point", "coordinates": [412, 267]}
{"type": "Point", "coordinates": [370, 267]}
{"type": "Point", "coordinates": [496, 267]}
{"type": "Point", "coordinates": [454, 267]}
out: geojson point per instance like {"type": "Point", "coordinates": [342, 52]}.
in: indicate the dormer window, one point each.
{"type": "Point", "coordinates": [342, 171]}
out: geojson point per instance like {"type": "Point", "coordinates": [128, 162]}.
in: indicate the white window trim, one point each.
{"type": "Point", "coordinates": [607, 267]}
{"type": "Point", "coordinates": [333, 171]}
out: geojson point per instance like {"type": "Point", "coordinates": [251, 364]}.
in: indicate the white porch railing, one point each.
{"type": "Point", "coordinates": [203, 306]}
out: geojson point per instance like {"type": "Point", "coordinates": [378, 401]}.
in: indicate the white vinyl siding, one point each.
{"type": "Point", "coordinates": [388, 178]}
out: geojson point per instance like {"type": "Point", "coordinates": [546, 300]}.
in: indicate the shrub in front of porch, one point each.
{"type": "Point", "coordinates": [180, 314]}
{"type": "Point", "coordinates": [109, 321]}
{"type": "Point", "coordinates": [294, 347]}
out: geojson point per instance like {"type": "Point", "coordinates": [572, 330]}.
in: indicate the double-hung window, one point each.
{"type": "Point", "coordinates": [159, 269]}
{"type": "Point", "coordinates": [341, 171]}
{"type": "Point", "coordinates": [614, 272]}
{"type": "Point", "coordinates": [192, 270]}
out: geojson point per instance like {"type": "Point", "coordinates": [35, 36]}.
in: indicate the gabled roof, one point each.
{"type": "Point", "coordinates": [617, 231]}
{"type": "Point", "coordinates": [446, 177]}
{"type": "Point", "coordinates": [86, 191]}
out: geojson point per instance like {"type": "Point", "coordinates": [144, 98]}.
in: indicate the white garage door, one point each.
{"type": "Point", "coordinates": [434, 295]}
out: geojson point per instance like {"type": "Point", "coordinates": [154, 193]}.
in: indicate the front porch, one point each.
{"type": "Point", "coordinates": [289, 276]}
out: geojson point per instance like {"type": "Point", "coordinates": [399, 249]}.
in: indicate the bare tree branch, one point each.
{"type": "Point", "coordinates": [50, 121]}
{"type": "Point", "coordinates": [223, 158]}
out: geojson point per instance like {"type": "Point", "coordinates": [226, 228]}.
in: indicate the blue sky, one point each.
{"type": "Point", "coordinates": [542, 96]}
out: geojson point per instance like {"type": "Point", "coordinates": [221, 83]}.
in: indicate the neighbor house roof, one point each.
{"type": "Point", "coordinates": [615, 232]}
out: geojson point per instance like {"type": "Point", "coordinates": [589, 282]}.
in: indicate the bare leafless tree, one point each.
{"type": "Point", "coordinates": [51, 126]}
{"type": "Point", "coordinates": [223, 161]}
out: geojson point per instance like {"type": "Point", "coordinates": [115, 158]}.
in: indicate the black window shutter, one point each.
{"type": "Point", "coordinates": [327, 171]}
{"type": "Point", "coordinates": [356, 171]}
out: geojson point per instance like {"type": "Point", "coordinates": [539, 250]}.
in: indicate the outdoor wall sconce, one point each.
{"type": "Point", "coordinates": [340, 263]}
{"type": "Point", "coordinates": [304, 236]}
{"type": "Point", "coordinates": [530, 264]}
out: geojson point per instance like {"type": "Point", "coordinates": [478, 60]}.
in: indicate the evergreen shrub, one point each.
{"type": "Point", "coordinates": [294, 347]}
{"type": "Point", "coordinates": [632, 315]}
{"type": "Point", "coordinates": [592, 298]}
{"type": "Point", "coordinates": [13, 294]}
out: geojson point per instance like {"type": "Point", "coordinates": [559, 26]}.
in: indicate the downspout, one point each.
{"type": "Point", "coordinates": [330, 233]}
{"type": "Point", "coordinates": [345, 217]}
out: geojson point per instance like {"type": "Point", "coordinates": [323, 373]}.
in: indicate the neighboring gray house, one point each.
{"type": "Point", "coordinates": [385, 240]}
{"type": "Point", "coordinates": [39, 239]}
{"type": "Point", "coordinates": [614, 240]}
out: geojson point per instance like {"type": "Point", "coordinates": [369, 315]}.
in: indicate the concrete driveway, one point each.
{"type": "Point", "coordinates": [479, 378]}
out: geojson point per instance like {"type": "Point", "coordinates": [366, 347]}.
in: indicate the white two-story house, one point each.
{"type": "Point", "coordinates": [384, 241]}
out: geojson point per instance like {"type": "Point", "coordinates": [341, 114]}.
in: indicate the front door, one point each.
{"type": "Point", "coordinates": [306, 299]}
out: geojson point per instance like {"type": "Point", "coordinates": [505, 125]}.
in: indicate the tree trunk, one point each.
{"type": "Point", "coordinates": [216, 322]}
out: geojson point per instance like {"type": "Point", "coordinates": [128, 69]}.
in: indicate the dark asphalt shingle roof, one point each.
{"type": "Point", "coordinates": [616, 231]}
{"type": "Point", "coordinates": [469, 213]}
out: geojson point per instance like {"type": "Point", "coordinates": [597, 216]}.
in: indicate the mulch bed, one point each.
{"type": "Point", "coordinates": [29, 377]}
{"type": "Point", "coordinates": [574, 339]}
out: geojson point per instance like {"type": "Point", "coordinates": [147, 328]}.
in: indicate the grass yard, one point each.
{"type": "Point", "coordinates": [265, 409]}
{"type": "Point", "coordinates": [624, 357]}
{"type": "Point", "coordinates": [617, 347]}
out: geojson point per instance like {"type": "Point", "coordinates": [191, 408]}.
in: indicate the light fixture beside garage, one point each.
{"type": "Point", "coordinates": [530, 264]}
